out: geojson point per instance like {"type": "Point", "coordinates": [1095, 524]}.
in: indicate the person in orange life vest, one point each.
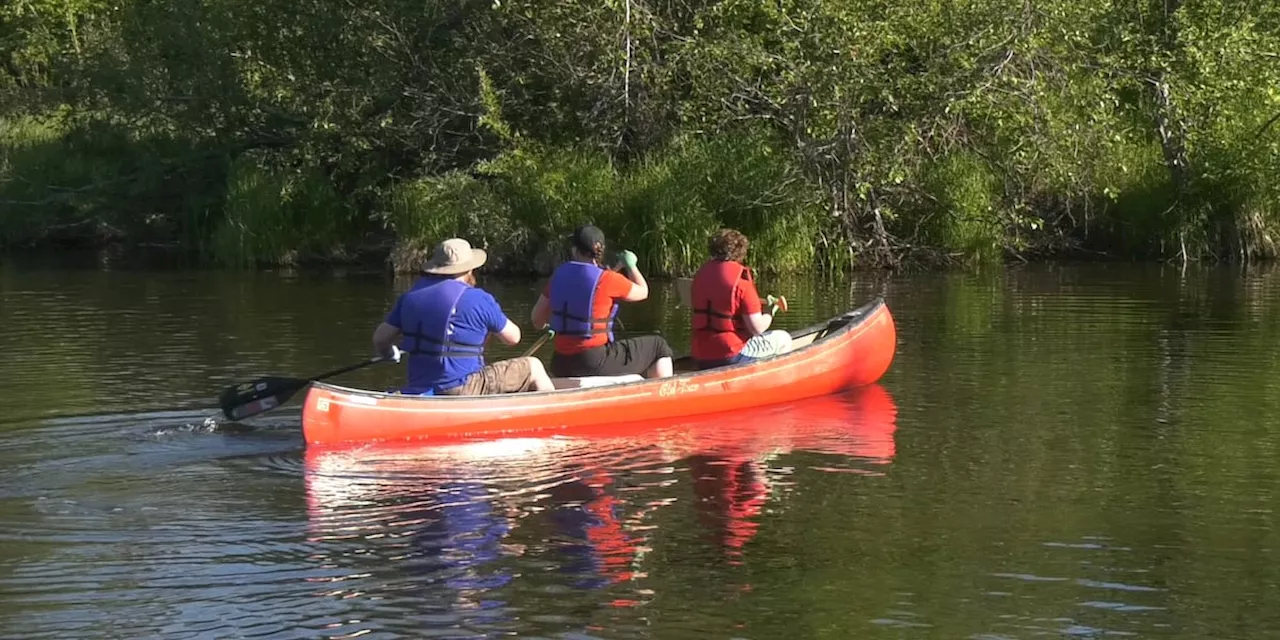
{"type": "Point", "coordinates": [729, 324]}
{"type": "Point", "coordinates": [443, 323]}
{"type": "Point", "coordinates": [580, 302]}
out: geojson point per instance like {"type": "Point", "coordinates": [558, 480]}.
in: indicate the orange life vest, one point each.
{"type": "Point", "coordinates": [715, 310]}
{"type": "Point", "coordinates": [715, 300]}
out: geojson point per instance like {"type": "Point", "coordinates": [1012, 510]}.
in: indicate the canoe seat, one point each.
{"type": "Point", "coordinates": [595, 381]}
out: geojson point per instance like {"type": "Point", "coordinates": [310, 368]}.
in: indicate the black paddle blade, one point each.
{"type": "Point", "coordinates": [251, 398]}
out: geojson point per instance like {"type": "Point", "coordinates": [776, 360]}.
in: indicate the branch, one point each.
{"type": "Point", "coordinates": [1266, 126]}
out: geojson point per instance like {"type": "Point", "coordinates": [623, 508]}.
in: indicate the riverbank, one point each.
{"type": "Point", "coordinates": [383, 259]}
{"type": "Point", "coordinates": [79, 189]}
{"type": "Point", "coordinates": [835, 136]}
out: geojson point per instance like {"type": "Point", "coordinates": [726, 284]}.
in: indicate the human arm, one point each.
{"type": "Point", "coordinates": [639, 286]}
{"type": "Point", "coordinates": [510, 334]}
{"type": "Point", "coordinates": [541, 315]}
{"type": "Point", "coordinates": [388, 333]}
{"type": "Point", "coordinates": [497, 323]}
{"type": "Point", "coordinates": [759, 322]}
{"type": "Point", "coordinates": [749, 306]}
{"type": "Point", "coordinates": [384, 339]}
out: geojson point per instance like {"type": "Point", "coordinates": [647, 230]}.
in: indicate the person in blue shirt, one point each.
{"type": "Point", "coordinates": [443, 323]}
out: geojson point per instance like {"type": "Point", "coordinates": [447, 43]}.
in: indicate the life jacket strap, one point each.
{"type": "Point", "coordinates": [711, 326]}
{"type": "Point", "coordinates": [425, 345]}
{"type": "Point", "coordinates": [564, 313]}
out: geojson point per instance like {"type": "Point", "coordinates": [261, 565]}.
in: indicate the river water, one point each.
{"type": "Point", "coordinates": [1084, 451]}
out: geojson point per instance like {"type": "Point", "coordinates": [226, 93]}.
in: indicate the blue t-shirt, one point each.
{"type": "Point", "coordinates": [478, 314]}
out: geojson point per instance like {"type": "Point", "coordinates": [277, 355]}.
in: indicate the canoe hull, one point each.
{"type": "Point", "coordinates": [857, 354]}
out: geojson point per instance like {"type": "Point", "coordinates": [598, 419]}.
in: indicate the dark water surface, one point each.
{"type": "Point", "coordinates": [1083, 451]}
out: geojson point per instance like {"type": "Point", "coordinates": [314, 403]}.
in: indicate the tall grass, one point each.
{"type": "Point", "coordinates": [743, 182]}
{"type": "Point", "coordinates": [1239, 175]}
{"type": "Point", "coordinates": [61, 183]}
{"type": "Point", "coordinates": [663, 207]}
{"type": "Point", "coordinates": [1112, 194]}
{"type": "Point", "coordinates": [1134, 198]}
{"type": "Point", "coordinates": [520, 205]}
{"type": "Point", "coordinates": [967, 220]}
{"type": "Point", "coordinates": [552, 189]}
{"type": "Point", "coordinates": [278, 217]}
{"type": "Point", "coordinates": [665, 213]}
{"type": "Point", "coordinates": [27, 149]}
{"type": "Point", "coordinates": [422, 212]}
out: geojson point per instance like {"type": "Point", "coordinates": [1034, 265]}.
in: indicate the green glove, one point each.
{"type": "Point", "coordinates": [628, 258]}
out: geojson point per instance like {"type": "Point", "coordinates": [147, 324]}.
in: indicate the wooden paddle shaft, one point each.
{"type": "Point", "coordinates": [536, 345]}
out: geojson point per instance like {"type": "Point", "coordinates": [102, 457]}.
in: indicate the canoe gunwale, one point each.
{"type": "Point", "coordinates": [847, 321]}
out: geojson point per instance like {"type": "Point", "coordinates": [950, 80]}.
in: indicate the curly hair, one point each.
{"type": "Point", "coordinates": [728, 244]}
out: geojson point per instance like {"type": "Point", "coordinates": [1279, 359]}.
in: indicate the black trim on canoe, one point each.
{"type": "Point", "coordinates": [826, 329]}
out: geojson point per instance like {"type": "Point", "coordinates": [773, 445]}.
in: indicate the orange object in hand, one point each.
{"type": "Point", "coordinates": [778, 303]}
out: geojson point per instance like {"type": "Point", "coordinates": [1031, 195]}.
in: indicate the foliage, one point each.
{"type": "Point", "coordinates": [277, 217]}
{"type": "Point", "coordinates": [966, 220]}
{"type": "Point", "coordinates": [423, 212]}
{"type": "Point", "coordinates": [663, 207]}
{"type": "Point", "coordinates": [842, 133]}
{"type": "Point", "coordinates": [62, 182]}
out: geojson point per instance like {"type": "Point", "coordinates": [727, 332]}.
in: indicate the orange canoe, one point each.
{"type": "Point", "coordinates": [850, 350]}
{"type": "Point", "coordinates": [389, 494]}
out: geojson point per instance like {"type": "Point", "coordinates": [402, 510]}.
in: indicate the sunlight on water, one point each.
{"type": "Point", "coordinates": [1055, 452]}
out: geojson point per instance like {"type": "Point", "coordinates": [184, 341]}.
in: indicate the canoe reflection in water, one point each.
{"type": "Point", "coordinates": [471, 521]}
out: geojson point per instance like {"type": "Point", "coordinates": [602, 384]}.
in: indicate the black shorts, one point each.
{"type": "Point", "coordinates": [633, 355]}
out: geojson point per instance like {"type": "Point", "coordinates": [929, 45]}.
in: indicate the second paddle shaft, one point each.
{"type": "Point", "coordinates": [536, 345]}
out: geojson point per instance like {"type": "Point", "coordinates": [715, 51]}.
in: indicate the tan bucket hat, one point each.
{"type": "Point", "coordinates": [453, 257]}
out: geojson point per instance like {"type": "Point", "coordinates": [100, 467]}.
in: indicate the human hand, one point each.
{"type": "Point", "coordinates": [394, 356]}
{"type": "Point", "coordinates": [628, 259]}
{"type": "Point", "coordinates": [776, 304]}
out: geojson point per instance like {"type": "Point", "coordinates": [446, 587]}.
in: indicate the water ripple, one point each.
{"type": "Point", "coordinates": [1074, 456]}
{"type": "Point", "coordinates": [389, 538]}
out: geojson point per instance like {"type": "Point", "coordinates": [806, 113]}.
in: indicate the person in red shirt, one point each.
{"type": "Point", "coordinates": [730, 325]}
{"type": "Point", "coordinates": [580, 302]}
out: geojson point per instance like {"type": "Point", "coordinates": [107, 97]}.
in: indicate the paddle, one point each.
{"type": "Point", "coordinates": [777, 304]}
{"type": "Point", "coordinates": [546, 334]}
{"type": "Point", "coordinates": [264, 394]}
{"type": "Point", "coordinates": [251, 398]}
{"type": "Point", "coordinates": [684, 288]}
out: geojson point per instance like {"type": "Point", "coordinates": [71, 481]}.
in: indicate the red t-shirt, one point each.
{"type": "Point", "coordinates": [610, 287]}
{"type": "Point", "coordinates": [713, 346]}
